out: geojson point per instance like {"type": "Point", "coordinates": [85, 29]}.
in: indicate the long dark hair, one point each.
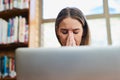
{"type": "Point", "coordinates": [77, 14]}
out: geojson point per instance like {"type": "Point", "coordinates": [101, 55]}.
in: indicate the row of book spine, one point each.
{"type": "Point", "coordinates": [10, 4]}
{"type": "Point", "coordinates": [7, 67]}
{"type": "Point", "coordinates": [15, 30]}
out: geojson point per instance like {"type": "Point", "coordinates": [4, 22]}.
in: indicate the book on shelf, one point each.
{"type": "Point", "coordinates": [0, 31]}
{"type": "Point", "coordinates": [7, 67]}
{"type": "Point", "coordinates": [10, 4]}
{"type": "Point", "coordinates": [12, 30]}
{"type": "Point", "coordinates": [22, 27]}
{"type": "Point", "coordinates": [4, 66]}
{"type": "Point", "coordinates": [15, 3]}
{"type": "Point", "coordinates": [0, 67]}
{"type": "Point", "coordinates": [6, 4]}
{"type": "Point", "coordinates": [12, 72]}
{"type": "Point", "coordinates": [9, 31]}
{"type": "Point", "coordinates": [26, 34]}
{"type": "Point", "coordinates": [4, 31]}
{"type": "Point", "coordinates": [1, 5]}
{"type": "Point", "coordinates": [10, 36]}
{"type": "Point", "coordinates": [23, 4]}
{"type": "Point", "coordinates": [26, 3]}
{"type": "Point", "coordinates": [15, 30]}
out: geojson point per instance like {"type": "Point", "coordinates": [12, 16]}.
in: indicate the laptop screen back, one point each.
{"type": "Point", "coordinates": [68, 63]}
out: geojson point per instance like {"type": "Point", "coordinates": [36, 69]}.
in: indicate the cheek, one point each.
{"type": "Point", "coordinates": [62, 38]}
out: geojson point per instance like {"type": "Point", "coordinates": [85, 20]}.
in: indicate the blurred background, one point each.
{"type": "Point", "coordinates": [103, 17]}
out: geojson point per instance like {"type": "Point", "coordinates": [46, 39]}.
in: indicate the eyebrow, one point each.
{"type": "Point", "coordinates": [76, 29]}
{"type": "Point", "coordinates": [63, 29]}
{"type": "Point", "coordinates": [72, 29]}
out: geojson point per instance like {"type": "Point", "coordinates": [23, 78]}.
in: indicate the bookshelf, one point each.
{"type": "Point", "coordinates": [31, 15]}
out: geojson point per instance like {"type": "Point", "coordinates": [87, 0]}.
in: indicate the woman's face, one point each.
{"type": "Point", "coordinates": [70, 32]}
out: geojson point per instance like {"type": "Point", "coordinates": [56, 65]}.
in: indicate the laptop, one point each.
{"type": "Point", "coordinates": [68, 63]}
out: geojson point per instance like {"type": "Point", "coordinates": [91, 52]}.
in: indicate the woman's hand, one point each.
{"type": "Point", "coordinates": [70, 39]}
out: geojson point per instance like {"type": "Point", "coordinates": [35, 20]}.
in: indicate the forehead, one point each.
{"type": "Point", "coordinates": [70, 23]}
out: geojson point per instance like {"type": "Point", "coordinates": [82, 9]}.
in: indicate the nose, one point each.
{"type": "Point", "coordinates": [70, 34]}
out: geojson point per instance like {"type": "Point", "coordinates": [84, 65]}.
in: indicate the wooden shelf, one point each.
{"type": "Point", "coordinates": [8, 78]}
{"type": "Point", "coordinates": [33, 20]}
{"type": "Point", "coordinates": [12, 46]}
{"type": "Point", "coordinates": [14, 12]}
{"type": "Point", "coordinates": [9, 49]}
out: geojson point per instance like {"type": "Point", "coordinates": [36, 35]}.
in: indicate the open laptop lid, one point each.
{"type": "Point", "coordinates": [68, 63]}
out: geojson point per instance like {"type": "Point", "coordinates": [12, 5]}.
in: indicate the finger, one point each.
{"type": "Point", "coordinates": [68, 41]}
{"type": "Point", "coordinates": [72, 41]}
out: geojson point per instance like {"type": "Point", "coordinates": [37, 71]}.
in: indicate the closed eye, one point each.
{"type": "Point", "coordinates": [76, 31]}
{"type": "Point", "coordinates": [64, 31]}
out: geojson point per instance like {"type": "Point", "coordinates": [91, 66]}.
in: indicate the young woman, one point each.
{"type": "Point", "coordinates": [71, 27]}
